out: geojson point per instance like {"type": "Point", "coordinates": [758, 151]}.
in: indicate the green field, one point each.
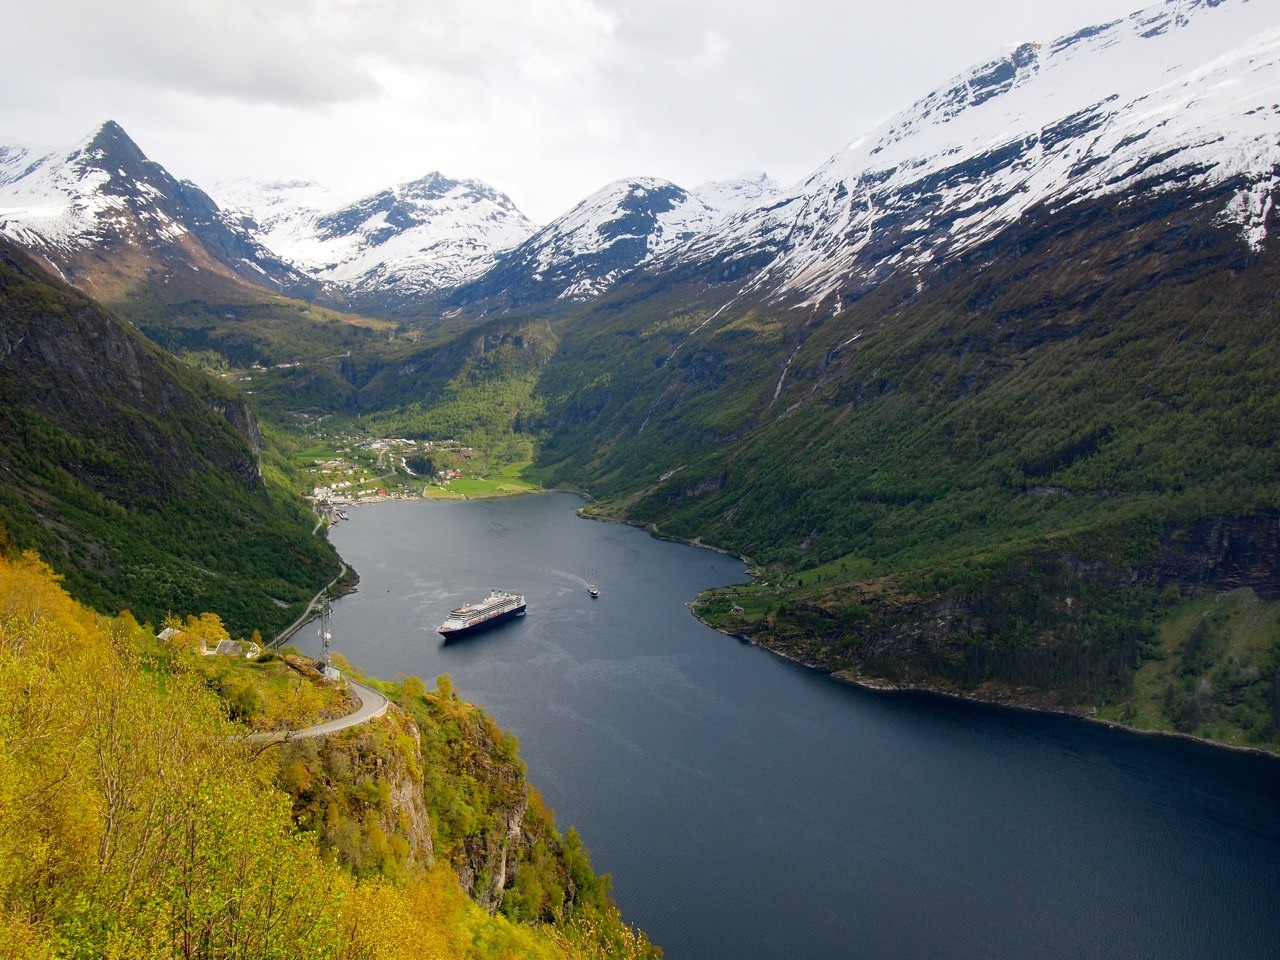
{"type": "Point", "coordinates": [510, 480]}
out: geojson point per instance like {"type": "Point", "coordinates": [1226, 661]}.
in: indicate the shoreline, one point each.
{"type": "Point", "coordinates": [649, 529]}
{"type": "Point", "coordinates": [451, 498]}
{"type": "Point", "coordinates": [879, 686]}
{"type": "Point", "coordinates": [886, 687]}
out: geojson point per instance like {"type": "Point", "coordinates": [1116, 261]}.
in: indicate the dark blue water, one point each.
{"type": "Point", "coordinates": [750, 808]}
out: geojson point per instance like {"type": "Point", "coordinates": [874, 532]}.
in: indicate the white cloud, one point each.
{"type": "Point", "coordinates": [545, 99]}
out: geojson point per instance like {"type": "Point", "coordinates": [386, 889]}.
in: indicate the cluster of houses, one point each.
{"type": "Point", "coordinates": [223, 648]}
{"type": "Point", "coordinates": [343, 482]}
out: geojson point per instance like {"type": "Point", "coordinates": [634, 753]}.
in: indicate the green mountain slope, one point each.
{"type": "Point", "coordinates": [978, 484]}
{"type": "Point", "coordinates": [1021, 383]}
{"type": "Point", "coordinates": [1005, 479]}
{"type": "Point", "coordinates": [137, 478]}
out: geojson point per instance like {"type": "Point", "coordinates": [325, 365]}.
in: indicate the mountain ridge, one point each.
{"type": "Point", "coordinates": [463, 242]}
{"type": "Point", "coordinates": [395, 245]}
{"type": "Point", "coordinates": [1056, 122]}
{"type": "Point", "coordinates": [105, 199]}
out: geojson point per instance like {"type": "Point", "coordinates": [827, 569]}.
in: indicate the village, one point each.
{"type": "Point", "coordinates": [355, 470]}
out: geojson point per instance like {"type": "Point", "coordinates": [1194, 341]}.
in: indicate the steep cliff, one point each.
{"type": "Point", "coordinates": [489, 823]}
{"type": "Point", "coordinates": [436, 780]}
{"type": "Point", "coordinates": [1223, 553]}
{"type": "Point", "coordinates": [361, 791]}
{"type": "Point", "coordinates": [136, 477]}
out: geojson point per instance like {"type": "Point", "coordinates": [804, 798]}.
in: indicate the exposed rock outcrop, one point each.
{"type": "Point", "coordinates": [362, 791]}
{"type": "Point", "coordinates": [1224, 553]}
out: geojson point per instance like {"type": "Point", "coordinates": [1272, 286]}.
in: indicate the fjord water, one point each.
{"type": "Point", "coordinates": [750, 808]}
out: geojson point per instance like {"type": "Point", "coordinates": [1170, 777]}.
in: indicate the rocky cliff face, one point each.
{"type": "Point", "coordinates": [1224, 553]}
{"type": "Point", "coordinates": [487, 864]}
{"type": "Point", "coordinates": [477, 768]}
{"type": "Point", "coordinates": [65, 358]}
{"type": "Point", "coordinates": [362, 791]}
{"type": "Point", "coordinates": [490, 825]}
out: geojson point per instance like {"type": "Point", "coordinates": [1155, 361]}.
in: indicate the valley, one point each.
{"type": "Point", "coordinates": [933, 377]}
{"type": "Point", "coordinates": [986, 402]}
{"type": "Point", "coordinates": [352, 470]}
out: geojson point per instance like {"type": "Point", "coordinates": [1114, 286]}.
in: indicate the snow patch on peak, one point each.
{"type": "Point", "coordinates": [18, 158]}
{"type": "Point", "coordinates": [585, 251]}
{"type": "Point", "coordinates": [413, 238]}
{"type": "Point", "coordinates": [55, 199]}
{"type": "Point", "coordinates": [1185, 93]}
{"type": "Point", "coordinates": [730, 197]}
{"type": "Point", "coordinates": [647, 209]}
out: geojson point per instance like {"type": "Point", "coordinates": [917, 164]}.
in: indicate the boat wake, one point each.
{"type": "Point", "coordinates": [587, 585]}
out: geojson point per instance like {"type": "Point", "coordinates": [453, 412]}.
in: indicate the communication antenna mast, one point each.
{"type": "Point", "coordinates": [325, 635]}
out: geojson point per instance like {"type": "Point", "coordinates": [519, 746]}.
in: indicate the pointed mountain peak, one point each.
{"type": "Point", "coordinates": [108, 136]}
{"type": "Point", "coordinates": [105, 195]}
{"type": "Point", "coordinates": [109, 128]}
{"type": "Point", "coordinates": [110, 141]}
{"type": "Point", "coordinates": [433, 184]}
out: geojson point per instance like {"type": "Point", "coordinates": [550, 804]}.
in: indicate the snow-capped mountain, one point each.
{"type": "Point", "coordinates": [104, 196]}
{"type": "Point", "coordinates": [390, 252]}
{"type": "Point", "coordinates": [728, 197]}
{"type": "Point", "coordinates": [604, 238]}
{"type": "Point", "coordinates": [16, 158]}
{"type": "Point", "coordinates": [397, 244]}
{"type": "Point", "coordinates": [1183, 95]}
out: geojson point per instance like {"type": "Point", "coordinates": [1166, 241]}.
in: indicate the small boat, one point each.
{"type": "Point", "coordinates": [593, 590]}
{"type": "Point", "coordinates": [471, 617]}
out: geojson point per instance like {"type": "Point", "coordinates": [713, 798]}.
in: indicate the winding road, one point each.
{"type": "Point", "coordinates": [372, 704]}
{"type": "Point", "coordinates": [292, 628]}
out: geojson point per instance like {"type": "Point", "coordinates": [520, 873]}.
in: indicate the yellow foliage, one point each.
{"type": "Point", "coordinates": [196, 634]}
{"type": "Point", "coordinates": [130, 817]}
{"type": "Point", "coordinates": [30, 596]}
{"type": "Point", "coordinates": [433, 918]}
{"type": "Point", "coordinates": [412, 688]}
{"type": "Point", "coordinates": [19, 940]}
{"type": "Point", "coordinates": [136, 825]}
{"type": "Point", "coordinates": [419, 912]}
{"type": "Point", "coordinates": [300, 705]}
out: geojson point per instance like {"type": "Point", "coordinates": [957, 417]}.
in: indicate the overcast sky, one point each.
{"type": "Point", "coordinates": [547, 100]}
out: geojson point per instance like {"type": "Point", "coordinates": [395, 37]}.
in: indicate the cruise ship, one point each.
{"type": "Point", "coordinates": [471, 617]}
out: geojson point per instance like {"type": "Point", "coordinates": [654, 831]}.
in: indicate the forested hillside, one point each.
{"type": "Point", "coordinates": [135, 822]}
{"type": "Point", "coordinates": [138, 478]}
{"type": "Point", "coordinates": [978, 485]}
